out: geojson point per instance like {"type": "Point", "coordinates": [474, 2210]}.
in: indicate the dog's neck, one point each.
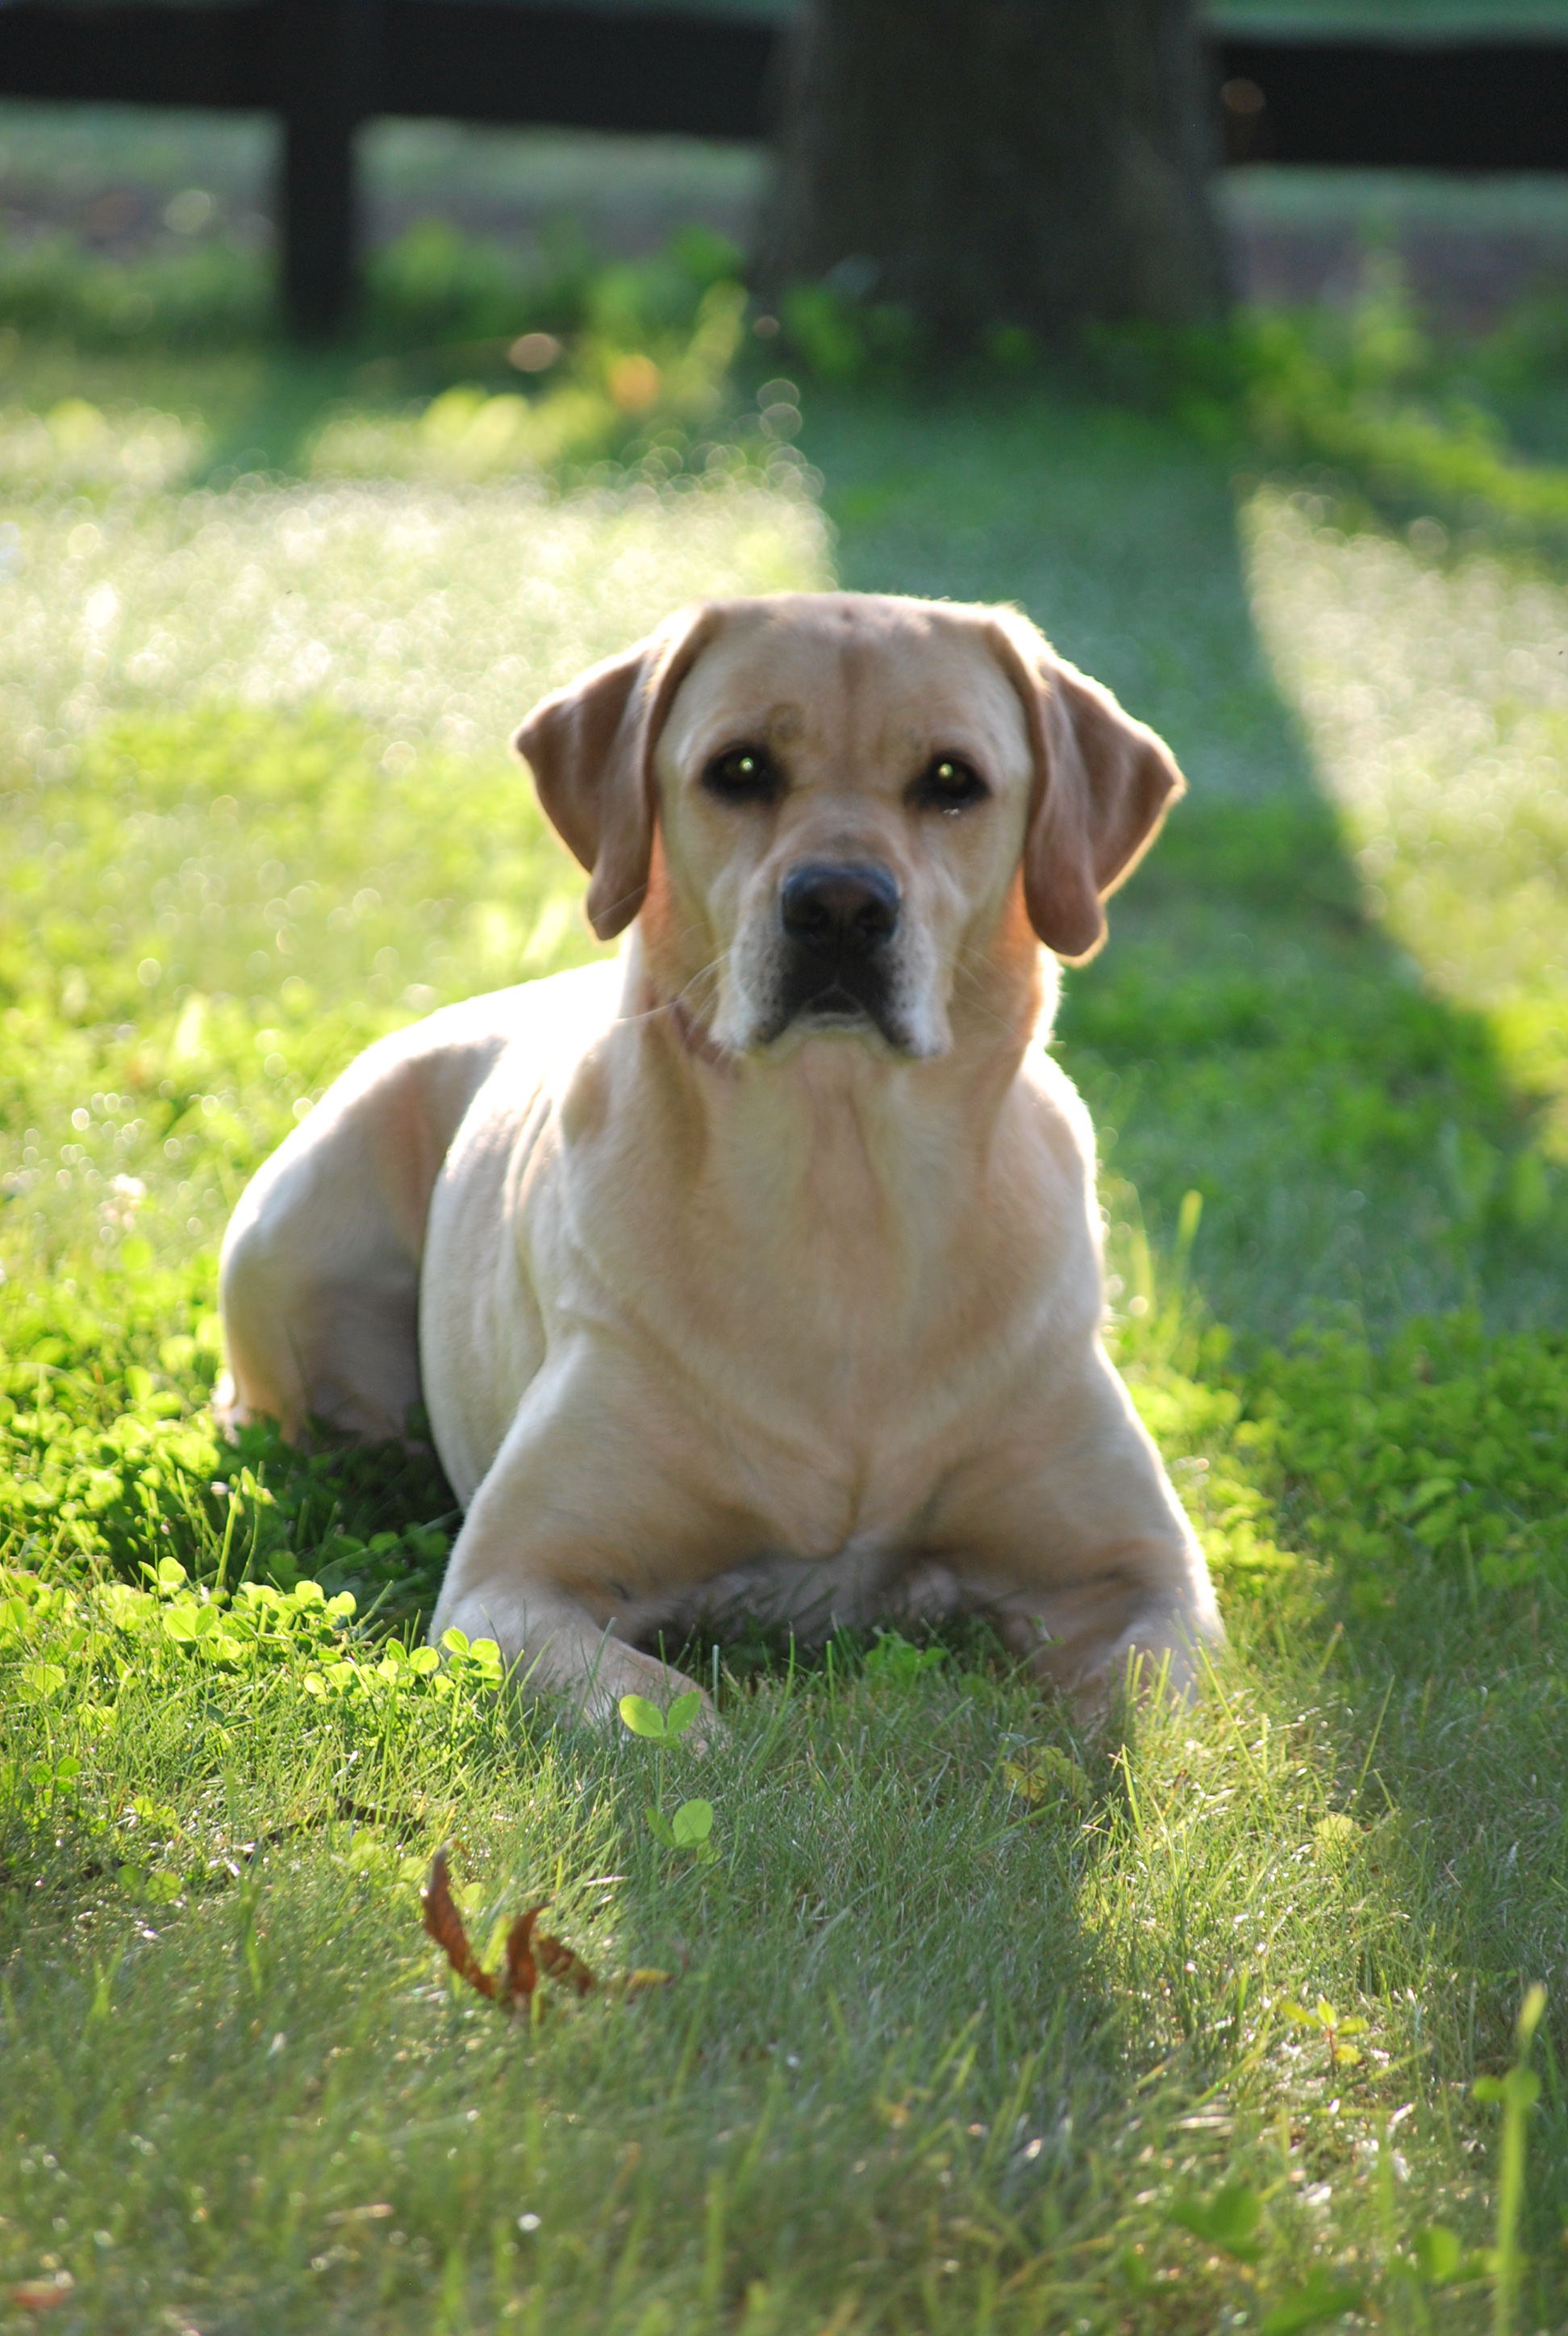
{"type": "Point", "coordinates": [840, 1091]}
{"type": "Point", "coordinates": [848, 1192]}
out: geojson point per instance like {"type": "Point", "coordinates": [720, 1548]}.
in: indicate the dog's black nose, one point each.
{"type": "Point", "coordinates": [840, 911]}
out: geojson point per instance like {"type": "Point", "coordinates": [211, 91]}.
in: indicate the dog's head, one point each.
{"type": "Point", "coordinates": [836, 809]}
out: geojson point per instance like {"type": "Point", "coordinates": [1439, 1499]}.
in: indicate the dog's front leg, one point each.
{"type": "Point", "coordinates": [1097, 1637]}
{"type": "Point", "coordinates": [586, 1522]}
{"type": "Point", "coordinates": [1072, 1540]}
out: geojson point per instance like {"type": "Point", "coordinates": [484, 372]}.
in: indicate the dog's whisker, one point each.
{"type": "Point", "coordinates": [664, 1006]}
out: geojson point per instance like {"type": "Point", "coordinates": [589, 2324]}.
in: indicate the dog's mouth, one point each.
{"type": "Point", "coordinates": [848, 997]}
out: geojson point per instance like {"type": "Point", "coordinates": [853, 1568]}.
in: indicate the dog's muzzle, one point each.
{"type": "Point", "coordinates": [838, 924]}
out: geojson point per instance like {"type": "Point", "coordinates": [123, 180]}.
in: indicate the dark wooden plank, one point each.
{"type": "Point", "coordinates": [471, 60]}
{"type": "Point", "coordinates": [1452, 105]}
{"type": "Point", "coordinates": [217, 57]}
{"type": "Point", "coordinates": [487, 61]}
{"type": "Point", "coordinates": [1449, 105]}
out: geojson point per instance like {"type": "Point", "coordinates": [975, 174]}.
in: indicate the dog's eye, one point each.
{"type": "Point", "coordinates": [946, 785]}
{"type": "Point", "coordinates": [744, 774]}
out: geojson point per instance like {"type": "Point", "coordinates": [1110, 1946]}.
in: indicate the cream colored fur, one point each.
{"type": "Point", "coordinates": [704, 1316]}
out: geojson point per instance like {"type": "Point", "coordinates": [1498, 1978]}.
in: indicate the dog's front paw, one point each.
{"type": "Point", "coordinates": [1162, 1663]}
{"type": "Point", "coordinates": [615, 1671]}
{"type": "Point", "coordinates": [1160, 1656]}
{"type": "Point", "coordinates": [551, 1648]}
{"type": "Point", "coordinates": [633, 1673]}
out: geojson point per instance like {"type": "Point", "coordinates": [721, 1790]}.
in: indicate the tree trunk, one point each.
{"type": "Point", "coordinates": [987, 162]}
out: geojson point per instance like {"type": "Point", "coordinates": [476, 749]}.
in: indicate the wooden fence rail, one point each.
{"type": "Point", "coordinates": [325, 66]}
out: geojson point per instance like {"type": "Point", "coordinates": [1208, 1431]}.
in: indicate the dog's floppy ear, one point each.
{"type": "Point", "coordinates": [590, 749]}
{"type": "Point", "coordinates": [1103, 783]}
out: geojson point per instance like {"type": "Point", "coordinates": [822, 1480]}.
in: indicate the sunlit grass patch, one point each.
{"type": "Point", "coordinates": [433, 614]}
{"type": "Point", "coordinates": [230, 904]}
{"type": "Point", "coordinates": [1435, 692]}
{"type": "Point", "coordinates": [1252, 1035]}
{"type": "Point", "coordinates": [73, 447]}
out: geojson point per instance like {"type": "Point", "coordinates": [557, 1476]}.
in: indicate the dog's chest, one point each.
{"type": "Point", "coordinates": [831, 1374]}
{"type": "Point", "coordinates": [814, 1310]}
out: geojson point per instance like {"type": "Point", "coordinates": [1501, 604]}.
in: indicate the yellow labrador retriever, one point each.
{"type": "Point", "coordinates": [760, 1267]}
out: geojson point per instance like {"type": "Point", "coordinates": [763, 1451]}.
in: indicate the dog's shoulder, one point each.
{"type": "Point", "coordinates": [538, 1026]}
{"type": "Point", "coordinates": [1058, 1111]}
{"type": "Point", "coordinates": [539, 1035]}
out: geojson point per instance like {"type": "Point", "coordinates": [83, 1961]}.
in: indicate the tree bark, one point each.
{"type": "Point", "coordinates": [987, 162]}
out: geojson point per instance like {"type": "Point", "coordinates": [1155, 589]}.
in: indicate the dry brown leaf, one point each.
{"type": "Point", "coordinates": [522, 1972]}
{"type": "Point", "coordinates": [529, 1950]}
{"type": "Point", "coordinates": [558, 1963]}
{"type": "Point", "coordinates": [444, 1924]}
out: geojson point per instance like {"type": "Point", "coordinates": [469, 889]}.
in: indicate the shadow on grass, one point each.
{"type": "Point", "coordinates": [1250, 1034]}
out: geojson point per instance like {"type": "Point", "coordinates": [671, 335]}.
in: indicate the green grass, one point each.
{"type": "Point", "coordinates": [937, 2055]}
{"type": "Point", "coordinates": [975, 2022]}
